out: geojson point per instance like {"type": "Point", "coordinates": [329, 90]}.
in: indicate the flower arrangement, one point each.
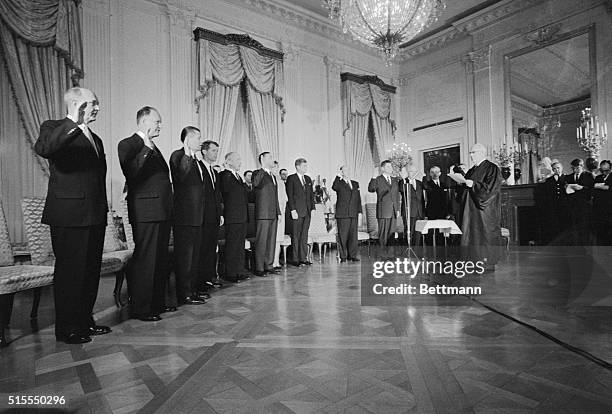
{"type": "Point", "coordinates": [507, 155]}
{"type": "Point", "coordinates": [400, 157]}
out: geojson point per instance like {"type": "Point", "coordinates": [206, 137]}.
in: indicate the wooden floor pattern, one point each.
{"type": "Point", "coordinates": [300, 342]}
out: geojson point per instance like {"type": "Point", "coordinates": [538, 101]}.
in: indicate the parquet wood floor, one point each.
{"type": "Point", "coordinates": [300, 342]}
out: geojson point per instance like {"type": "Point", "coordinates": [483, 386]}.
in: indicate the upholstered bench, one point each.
{"type": "Point", "coordinates": [114, 259]}
{"type": "Point", "coordinates": [17, 278]}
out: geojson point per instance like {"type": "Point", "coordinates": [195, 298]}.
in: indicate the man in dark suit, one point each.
{"type": "Point", "coordinates": [300, 202]}
{"type": "Point", "coordinates": [580, 184]}
{"type": "Point", "coordinates": [387, 200]}
{"type": "Point", "coordinates": [416, 200]}
{"type": "Point", "coordinates": [267, 210]}
{"type": "Point", "coordinates": [76, 210]}
{"type": "Point", "coordinates": [555, 209]}
{"type": "Point", "coordinates": [602, 204]}
{"type": "Point", "coordinates": [235, 212]}
{"type": "Point", "coordinates": [437, 198]}
{"type": "Point", "coordinates": [149, 197]}
{"type": "Point", "coordinates": [188, 181]}
{"type": "Point", "coordinates": [213, 218]}
{"type": "Point", "coordinates": [348, 209]}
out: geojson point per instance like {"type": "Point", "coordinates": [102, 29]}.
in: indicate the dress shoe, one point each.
{"type": "Point", "coordinates": [209, 284]}
{"type": "Point", "coordinates": [296, 264]}
{"type": "Point", "coordinates": [75, 338]}
{"type": "Point", "coordinates": [200, 294]}
{"type": "Point", "coordinates": [260, 273]}
{"type": "Point", "coordinates": [148, 318]}
{"type": "Point", "coordinates": [272, 272]}
{"type": "Point", "coordinates": [278, 267]}
{"type": "Point", "coordinates": [233, 279]}
{"type": "Point", "coordinates": [98, 330]}
{"type": "Point", "coordinates": [244, 277]}
{"type": "Point", "coordinates": [168, 309]}
{"type": "Point", "coordinates": [306, 262]}
{"type": "Point", "coordinates": [217, 284]}
{"type": "Point", "coordinates": [342, 260]}
{"type": "Point", "coordinates": [192, 301]}
{"type": "Point", "coordinates": [354, 259]}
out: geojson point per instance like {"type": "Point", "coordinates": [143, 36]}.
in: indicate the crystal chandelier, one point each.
{"type": "Point", "coordinates": [591, 134]}
{"type": "Point", "coordinates": [384, 24]}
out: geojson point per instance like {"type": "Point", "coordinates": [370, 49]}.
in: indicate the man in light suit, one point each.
{"type": "Point", "coordinates": [348, 209]}
{"type": "Point", "coordinates": [267, 210]}
{"type": "Point", "coordinates": [387, 200]}
{"type": "Point", "coordinates": [300, 202]}
{"type": "Point", "coordinates": [149, 197]}
{"type": "Point", "coordinates": [188, 181]}
{"type": "Point", "coordinates": [235, 212]}
{"type": "Point", "coordinates": [76, 210]}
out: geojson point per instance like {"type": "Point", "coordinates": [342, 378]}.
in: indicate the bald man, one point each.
{"type": "Point", "coordinates": [76, 210]}
{"type": "Point", "coordinates": [481, 207]}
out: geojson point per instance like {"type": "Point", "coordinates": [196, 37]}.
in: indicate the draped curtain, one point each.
{"type": "Point", "coordinates": [362, 102]}
{"type": "Point", "coordinates": [222, 69]}
{"type": "Point", "coordinates": [41, 43]}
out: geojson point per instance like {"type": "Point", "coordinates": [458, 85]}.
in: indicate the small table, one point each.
{"type": "Point", "coordinates": [447, 227]}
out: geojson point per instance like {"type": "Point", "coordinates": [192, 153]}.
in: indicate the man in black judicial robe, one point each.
{"type": "Point", "coordinates": [602, 205]}
{"type": "Point", "coordinates": [188, 181]}
{"type": "Point", "coordinates": [348, 209]}
{"type": "Point", "coordinates": [76, 209]}
{"type": "Point", "coordinates": [481, 208]}
{"type": "Point", "coordinates": [300, 203]}
{"type": "Point", "coordinates": [579, 199]}
{"type": "Point", "coordinates": [416, 199]}
{"type": "Point", "coordinates": [267, 210]}
{"type": "Point", "coordinates": [235, 212]}
{"type": "Point", "coordinates": [388, 206]}
{"type": "Point", "coordinates": [149, 198]}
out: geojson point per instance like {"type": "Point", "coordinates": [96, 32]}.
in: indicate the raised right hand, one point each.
{"type": "Point", "coordinates": [376, 172]}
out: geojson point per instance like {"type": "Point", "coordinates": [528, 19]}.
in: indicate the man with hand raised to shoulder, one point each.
{"type": "Point", "coordinates": [149, 198]}
{"type": "Point", "coordinates": [75, 209]}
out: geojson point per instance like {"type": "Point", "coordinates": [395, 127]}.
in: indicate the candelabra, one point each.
{"type": "Point", "coordinates": [591, 134]}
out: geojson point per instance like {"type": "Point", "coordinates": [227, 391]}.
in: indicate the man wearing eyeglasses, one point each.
{"type": "Point", "coordinates": [75, 209]}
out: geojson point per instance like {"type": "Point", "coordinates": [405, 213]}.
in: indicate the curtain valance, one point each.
{"type": "Point", "coordinates": [228, 59]}
{"type": "Point", "coordinates": [47, 23]}
{"type": "Point", "coordinates": [364, 94]}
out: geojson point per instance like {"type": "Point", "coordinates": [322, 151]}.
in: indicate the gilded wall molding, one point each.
{"type": "Point", "coordinates": [544, 34]}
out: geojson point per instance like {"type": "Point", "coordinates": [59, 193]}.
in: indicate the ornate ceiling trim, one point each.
{"type": "Point", "coordinates": [374, 80]}
{"type": "Point", "coordinates": [236, 39]}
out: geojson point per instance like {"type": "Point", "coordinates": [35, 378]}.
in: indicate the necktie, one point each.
{"type": "Point", "coordinates": [302, 180]}
{"type": "Point", "coordinates": [87, 133]}
{"type": "Point", "coordinates": [238, 177]}
{"type": "Point", "coordinates": [349, 183]}
{"type": "Point", "coordinates": [212, 176]}
{"type": "Point", "coordinates": [576, 177]}
{"type": "Point", "coordinates": [273, 178]}
{"type": "Point", "coordinates": [388, 180]}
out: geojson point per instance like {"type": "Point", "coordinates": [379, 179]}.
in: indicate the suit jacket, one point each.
{"type": "Point", "coordinates": [213, 200]}
{"type": "Point", "coordinates": [265, 195]}
{"type": "Point", "coordinates": [602, 200]}
{"type": "Point", "coordinates": [188, 186]}
{"type": "Point", "coordinates": [387, 196]}
{"type": "Point", "coordinates": [586, 180]}
{"type": "Point", "coordinates": [348, 201]}
{"type": "Point", "coordinates": [149, 192]}
{"type": "Point", "coordinates": [76, 195]}
{"type": "Point", "coordinates": [438, 198]}
{"type": "Point", "coordinates": [235, 198]}
{"type": "Point", "coordinates": [555, 195]}
{"type": "Point", "coordinates": [299, 198]}
{"type": "Point", "coordinates": [417, 202]}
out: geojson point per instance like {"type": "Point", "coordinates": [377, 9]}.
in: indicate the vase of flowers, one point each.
{"type": "Point", "coordinates": [400, 157]}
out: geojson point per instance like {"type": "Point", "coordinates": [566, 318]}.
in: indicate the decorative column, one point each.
{"type": "Point", "coordinates": [470, 110]}
{"type": "Point", "coordinates": [182, 108]}
{"type": "Point", "coordinates": [290, 146]}
{"type": "Point", "coordinates": [481, 65]}
{"type": "Point", "coordinates": [334, 115]}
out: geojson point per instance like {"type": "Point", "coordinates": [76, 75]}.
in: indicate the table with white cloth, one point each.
{"type": "Point", "coordinates": [447, 227]}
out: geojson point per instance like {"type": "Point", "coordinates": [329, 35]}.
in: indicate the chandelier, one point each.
{"type": "Point", "coordinates": [591, 134]}
{"type": "Point", "coordinates": [384, 24]}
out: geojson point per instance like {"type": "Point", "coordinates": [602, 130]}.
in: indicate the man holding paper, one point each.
{"type": "Point", "coordinates": [481, 207]}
